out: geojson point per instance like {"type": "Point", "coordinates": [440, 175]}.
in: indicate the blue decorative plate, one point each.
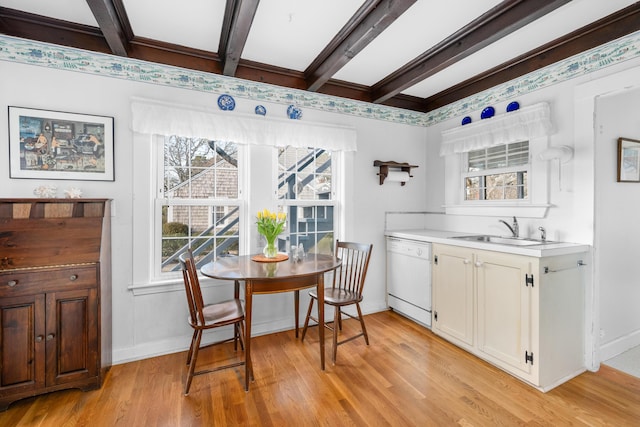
{"type": "Point", "coordinates": [226, 102]}
{"type": "Point", "coordinates": [487, 112]}
{"type": "Point", "coordinates": [513, 106]}
{"type": "Point", "coordinates": [294, 112]}
{"type": "Point", "coordinates": [466, 120]}
{"type": "Point", "coordinates": [260, 110]}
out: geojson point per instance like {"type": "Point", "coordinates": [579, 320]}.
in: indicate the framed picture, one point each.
{"type": "Point", "coordinates": [628, 160]}
{"type": "Point", "coordinates": [56, 145]}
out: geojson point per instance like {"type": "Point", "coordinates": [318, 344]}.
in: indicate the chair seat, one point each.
{"type": "Point", "coordinates": [337, 296]}
{"type": "Point", "coordinates": [222, 312]}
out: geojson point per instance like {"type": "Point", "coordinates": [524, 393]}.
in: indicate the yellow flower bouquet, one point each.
{"type": "Point", "coordinates": [270, 225]}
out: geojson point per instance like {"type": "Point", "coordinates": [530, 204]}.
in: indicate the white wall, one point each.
{"type": "Point", "coordinates": [612, 292]}
{"type": "Point", "coordinates": [146, 325]}
{"type": "Point", "coordinates": [561, 221]}
{"type": "Point", "coordinates": [153, 324]}
{"type": "Point", "coordinates": [617, 227]}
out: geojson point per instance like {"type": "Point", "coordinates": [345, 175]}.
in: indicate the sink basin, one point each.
{"type": "Point", "coordinates": [515, 241]}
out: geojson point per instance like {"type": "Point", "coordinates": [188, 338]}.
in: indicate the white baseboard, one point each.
{"type": "Point", "coordinates": [619, 345]}
{"type": "Point", "coordinates": [181, 343]}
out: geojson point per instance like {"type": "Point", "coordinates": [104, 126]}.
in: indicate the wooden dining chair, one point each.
{"type": "Point", "coordinates": [204, 317]}
{"type": "Point", "coordinates": [348, 282]}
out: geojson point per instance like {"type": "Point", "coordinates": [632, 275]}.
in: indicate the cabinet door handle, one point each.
{"type": "Point", "coordinates": [479, 263]}
{"type": "Point", "coordinates": [466, 261]}
{"type": "Point", "coordinates": [50, 337]}
{"type": "Point", "coordinates": [73, 277]}
{"type": "Point", "coordinates": [12, 283]}
{"type": "Point", "coordinates": [39, 338]}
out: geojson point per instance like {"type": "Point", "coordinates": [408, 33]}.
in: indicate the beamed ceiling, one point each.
{"type": "Point", "coordinates": [413, 54]}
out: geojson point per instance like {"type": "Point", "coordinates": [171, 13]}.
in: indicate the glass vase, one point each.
{"type": "Point", "coordinates": [270, 250]}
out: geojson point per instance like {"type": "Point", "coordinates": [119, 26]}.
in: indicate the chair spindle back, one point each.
{"type": "Point", "coordinates": [192, 288]}
{"type": "Point", "coordinates": [355, 262]}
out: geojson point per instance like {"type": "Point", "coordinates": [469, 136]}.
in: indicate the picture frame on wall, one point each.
{"type": "Point", "coordinates": [47, 144]}
{"type": "Point", "coordinates": [628, 160]}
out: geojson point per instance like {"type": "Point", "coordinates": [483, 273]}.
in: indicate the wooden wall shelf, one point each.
{"type": "Point", "coordinates": [390, 166]}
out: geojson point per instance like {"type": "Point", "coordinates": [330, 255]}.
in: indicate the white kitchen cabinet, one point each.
{"type": "Point", "coordinates": [523, 314]}
{"type": "Point", "coordinates": [505, 318]}
{"type": "Point", "coordinates": [453, 294]}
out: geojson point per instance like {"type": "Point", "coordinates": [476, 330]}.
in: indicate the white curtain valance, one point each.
{"type": "Point", "coordinates": [156, 118]}
{"type": "Point", "coordinates": [521, 125]}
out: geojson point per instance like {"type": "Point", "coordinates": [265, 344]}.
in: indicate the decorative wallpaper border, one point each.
{"type": "Point", "coordinates": [603, 56]}
{"type": "Point", "coordinates": [64, 58]}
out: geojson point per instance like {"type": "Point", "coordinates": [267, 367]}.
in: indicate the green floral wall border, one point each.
{"type": "Point", "coordinates": [63, 58]}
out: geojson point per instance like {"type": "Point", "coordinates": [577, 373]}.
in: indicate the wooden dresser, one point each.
{"type": "Point", "coordinates": [55, 295]}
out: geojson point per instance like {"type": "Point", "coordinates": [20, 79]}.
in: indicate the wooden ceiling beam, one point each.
{"type": "Point", "coordinates": [605, 30]}
{"type": "Point", "coordinates": [114, 23]}
{"type": "Point", "coordinates": [503, 19]}
{"type": "Point", "coordinates": [35, 27]}
{"type": "Point", "coordinates": [371, 19]}
{"type": "Point", "coordinates": [238, 18]}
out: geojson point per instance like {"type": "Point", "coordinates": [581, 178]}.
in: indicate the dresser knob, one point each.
{"type": "Point", "coordinates": [50, 337]}
{"type": "Point", "coordinates": [12, 283]}
{"type": "Point", "coordinates": [39, 338]}
{"type": "Point", "coordinates": [73, 277]}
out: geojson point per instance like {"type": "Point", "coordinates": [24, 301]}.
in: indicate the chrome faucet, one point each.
{"type": "Point", "coordinates": [514, 228]}
{"type": "Point", "coordinates": [543, 234]}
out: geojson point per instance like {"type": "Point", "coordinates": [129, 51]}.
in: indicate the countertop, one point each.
{"type": "Point", "coordinates": [546, 249]}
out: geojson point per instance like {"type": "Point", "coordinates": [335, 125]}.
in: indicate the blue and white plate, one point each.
{"type": "Point", "coordinates": [513, 106]}
{"type": "Point", "coordinates": [466, 120]}
{"type": "Point", "coordinates": [260, 110]}
{"type": "Point", "coordinates": [294, 112]}
{"type": "Point", "coordinates": [226, 102]}
{"type": "Point", "coordinates": [487, 113]}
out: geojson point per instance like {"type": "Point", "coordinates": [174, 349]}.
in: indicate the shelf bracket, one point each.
{"type": "Point", "coordinates": [390, 166]}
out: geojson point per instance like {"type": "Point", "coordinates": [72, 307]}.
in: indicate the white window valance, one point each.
{"type": "Point", "coordinates": [158, 118]}
{"type": "Point", "coordinates": [521, 125]}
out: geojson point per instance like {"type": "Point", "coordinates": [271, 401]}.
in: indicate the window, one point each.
{"type": "Point", "coordinates": [306, 192]}
{"type": "Point", "coordinates": [497, 173]}
{"type": "Point", "coordinates": [198, 201]}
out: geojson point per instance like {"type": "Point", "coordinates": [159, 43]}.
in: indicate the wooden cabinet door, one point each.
{"type": "Point", "coordinates": [71, 336]}
{"type": "Point", "coordinates": [22, 345]}
{"type": "Point", "coordinates": [453, 293]}
{"type": "Point", "coordinates": [504, 309]}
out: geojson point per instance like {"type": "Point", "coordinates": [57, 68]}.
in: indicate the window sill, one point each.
{"type": "Point", "coordinates": [499, 209]}
{"type": "Point", "coordinates": [158, 287]}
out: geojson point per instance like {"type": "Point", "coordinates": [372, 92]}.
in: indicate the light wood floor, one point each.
{"type": "Point", "coordinates": [407, 376]}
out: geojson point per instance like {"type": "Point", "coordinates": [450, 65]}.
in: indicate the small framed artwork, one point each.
{"type": "Point", "coordinates": [57, 145]}
{"type": "Point", "coordinates": [628, 160]}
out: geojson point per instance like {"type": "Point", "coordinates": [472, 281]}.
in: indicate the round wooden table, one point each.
{"type": "Point", "coordinates": [274, 277]}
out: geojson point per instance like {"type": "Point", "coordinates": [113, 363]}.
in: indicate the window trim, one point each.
{"type": "Point", "coordinates": [144, 189]}
{"type": "Point", "coordinates": [156, 274]}
{"type": "Point", "coordinates": [536, 206]}
{"type": "Point", "coordinates": [147, 235]}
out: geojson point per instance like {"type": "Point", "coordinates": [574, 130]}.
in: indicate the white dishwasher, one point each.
{"type": "Point", "coordinates": [409, 278]}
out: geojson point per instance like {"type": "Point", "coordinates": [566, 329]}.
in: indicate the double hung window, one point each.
{"type": "Point", "coordinates": [307, 193]}
{"type": "Point", "coordinates": [497, 173]}
{"type": "Point", "coordinates": [198, 203]}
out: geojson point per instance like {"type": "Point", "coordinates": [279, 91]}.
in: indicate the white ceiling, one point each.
{"type": "Point", "coordinates": [291, 33]}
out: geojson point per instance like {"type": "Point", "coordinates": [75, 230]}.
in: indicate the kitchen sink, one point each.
{"type": "Point", "coordinates": [515, 241]}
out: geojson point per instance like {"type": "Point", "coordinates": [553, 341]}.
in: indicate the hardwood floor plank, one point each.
{"type": "Point", "coordinates": [406, 377]}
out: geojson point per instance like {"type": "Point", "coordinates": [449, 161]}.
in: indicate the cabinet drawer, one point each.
{"type": "Point", "coordinates": [48, 280]}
